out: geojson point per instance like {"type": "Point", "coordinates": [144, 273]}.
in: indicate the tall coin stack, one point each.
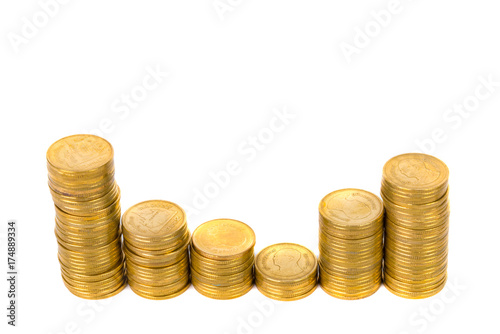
{"type": "Point", "coordinates": [155, 243]}
{"type": "Point", "coordinates": [415, 194]}
{"type": "Point", "coordinates": [350, 243]}
{"type": "Point", "coordinates": [222, 258]}
{"type": "Point", "coordinates": [87, 204]}
{"type": "Point", "coordinates": [286, 271]}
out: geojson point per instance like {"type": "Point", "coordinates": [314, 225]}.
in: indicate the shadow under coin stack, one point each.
{"type": "Point", "coordinates": [222, 258]}
{"type": "Point", "coordinates": [415, 194]}
{"type": "Point", "coordinates": [87, 203]}
{"type": "Point", "coordinates": [286, 272]}
{"type": "Point", "coordinates": [350, 243]}
{"type": "Point", "coordinates": [155, 242]}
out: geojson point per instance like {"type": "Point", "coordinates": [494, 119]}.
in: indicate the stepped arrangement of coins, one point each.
{"type": "Point", "coordinates": [286, 271]}
{"type": "Point", "coordinates": [350, 243]}
{"type": "Point", "coordinates": [155, 243]}
{"type": "Point", "coordinates": [222, 258]}
{"type": "Point", "coordinates": [415, 194]}
{"type": "Point", "coordinates": [362, 240]}
{"type": "Point", "coordinates": [87, 204]}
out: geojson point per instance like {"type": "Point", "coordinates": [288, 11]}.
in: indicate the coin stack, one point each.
{"type": "Point", "coordinates": [222, 258]}
{"type": "Point", "coordinates": [155, 243]}
{"type": "Point", "coordinates": [415, 194]}
{"type": "Point", "coordinates": [350, 243]}
{"type": "Point", "coordinates": [286, 271]}
{"type": "Point", "coordinates": [87, 204]}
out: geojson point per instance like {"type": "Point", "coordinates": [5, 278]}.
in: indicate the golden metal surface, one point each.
{"type": "Point", "coordinates": [286, 271]}
{"type": "Point", "coordinates": [222, 259]}
{"type": "Point", "coordinates": [86, 197]}
{"type": "Point", "coordinates": [223, 239]}
{"type": "Point", "coordinates": [350, 243]}
{"type": "Point", "coordinates": [156, 247]}
{"type": "Point", "coordinates": [415, 193]}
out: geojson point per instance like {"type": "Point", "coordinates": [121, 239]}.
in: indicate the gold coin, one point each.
{"type": "Point", "coordinates": [221, 264]}
{"type": "Point", "coordinates": [87, 208]}
{"type": "Point", "coordinates": [157, 280]}
{"type": "Point", "coordinates": [415, 192]}
{"type": "Point", "coordinates": [287, 296]}
{"type": "Point", "coordinates": [103, 294]}
{"type": "Point", "coordinates": [286, 263]}
{"type": "Point", "coordinates": [158, 247]}
{"type": "Point", "coordinates": [152, 220]}
{"type": "Point", "coordinates": [410, 294]}
{"type": "Point", "coordinates": [88, 222]}
{"type": "Point", "coordinates": [139, 270]}
{"type": "Point", "coordinates": [351, 208]}
{"type": "Point", "coordinates": [155, 296]}
{"type": "Point", "coordinates": [351, 243]}
{"type": "Point", "coordinates": [223, 239]}
{"type": "Point", "coordinates": [87, 286]}
{"type": "Point", "coordinates": [162, 261]}
{"type": "Point", "coordinates": [93, 277]}
{"type": "Point", "coordinates": [286, 271]}
{"type": "Point", "coordinates": [350, 294]}
{"type": "Point", "coordinates": [226, 280]}
{"type": "Point", "coordinates": [218, 288]}
{"type": "Point", "coordinates": [210, 270]}
{"type": "Point", "coordinates": [352, 286]}
{"type": "Point", "coordinates": [224, 295]}
{"type": "Point", "coordinates": [416, 172]}
{"type": "Point", "coordinates": [296, 287]}
{"type": "Point", "coordinates": [160, 287]}
{"type": "Point", "coordinates": [80, 154]}
{"type": "Point", "coordinates": [87, 225]}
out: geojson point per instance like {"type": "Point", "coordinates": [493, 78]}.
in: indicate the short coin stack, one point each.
{"type": "Point", "coordinates": [286, 271]}
{"type": "Point", "coordinates": [415, 194]}
{"type": "Point", "coordinates": [350, 243]}
{"type": "Point", "coordinates": [222, 258]}
{"type": "Point", "coordinates": [87, 203]}
{"type": "Point", "coordinates": [155, 242]}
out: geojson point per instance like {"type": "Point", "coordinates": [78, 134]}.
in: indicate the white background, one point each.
{"type": "Point", "coordinates": [226, 76]}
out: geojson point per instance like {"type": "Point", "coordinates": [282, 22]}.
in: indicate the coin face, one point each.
{"type": "Point", "coordinates": [286, 262]}
{"type": "Point", "coordinates": [80, 153]}
{"type": "Point", "coordinates": [153, 218]}
{"type": "Point", "coordinates": [223, 238]}
{"type": "Point", "coordinates": [351, 207]}
{"type": "Point", "coordinates": [416, 171]}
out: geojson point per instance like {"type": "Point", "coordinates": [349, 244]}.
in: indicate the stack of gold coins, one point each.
{"type": "Point", "coordinates": [415, 194]}
{"type": "Point", "coordinates": [286, 271]}
{"type": "Point", "coordinates": [350, 243]}
{"type": "Point", "coordinates": [155, 243]}
{"type": "Point", "coordinates": [87, 202]}
{"type": "Point", "coordinates": [222, 258]}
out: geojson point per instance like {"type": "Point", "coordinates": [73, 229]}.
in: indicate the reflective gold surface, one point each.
{"type": "Point", "coordinates": [87, 203]}
{"type": "Point", "coordinates": [350, 243]}
{"type": "Point", "coordinates": [155, 243]}
{"type": "Point", "coordinates": [286, 271]}
{"type": "Point", "coordinates": [222, 258]}
{"type": "Point", "coordinates": [415, 194]}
